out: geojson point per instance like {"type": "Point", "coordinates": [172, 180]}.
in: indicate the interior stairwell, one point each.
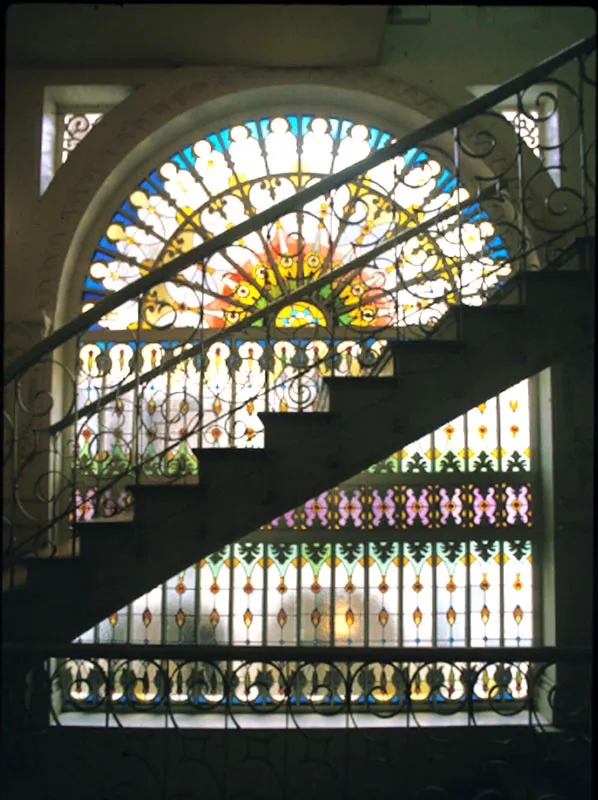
{"type": "Point", "coordinates": [424, 384]}
{"type": "Point", "coordinates": [535, 318]}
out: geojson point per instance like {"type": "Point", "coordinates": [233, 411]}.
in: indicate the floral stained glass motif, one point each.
{"type": "Point", "coordinates": [225, 178]}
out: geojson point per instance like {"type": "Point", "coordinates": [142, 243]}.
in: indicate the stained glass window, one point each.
{"type": "Point", "coordinates": [401, 578]}
{"type": "Point", "coordinates": [432, 545]}
{"type": "Point", "coordinates": [221, 180]}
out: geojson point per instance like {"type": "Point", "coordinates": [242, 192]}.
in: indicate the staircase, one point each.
{"type": "Point", "coordinates": [474, 354]}
{"type": "Point", "coordinates": [471, 355]}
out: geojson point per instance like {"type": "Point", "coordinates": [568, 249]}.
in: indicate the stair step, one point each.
{"type": "Point", "coordinates": [103, 536]}
{"type": "Point", "coordinates": [424, 354]}
{"type": "Point", "coordinates": [284, 429]}
{"type": "Point", "coordinates": [480, 323]}
{"type": "Point", "coordinates": [230, 464]}
{"type": "Point", "coordinates": [354, 395]}
{"type": "Point", "coordinates": [556, 286]}
{"type": "Point", "coordinates": [45, 575]}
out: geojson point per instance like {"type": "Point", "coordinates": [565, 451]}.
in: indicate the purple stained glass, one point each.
{"type": "Point", "coordinates": [484, 506]}
{"type": "Point", "coordinates": [85, 509]}
{"type": "Point", "coordinates": [517, 504]}
{"type": "Point", "coordinates": [383, 508]}
{"type": "Point", "coordinates": [417, 507]}
{"type": "Point", "coordinates": [349, 508]}
{"type": "Point", "coordinates": [450, 506]}
{"type": "Point", "coordinates": [288, 518]}
{"type": "Point", "coordinates": [316, 507]}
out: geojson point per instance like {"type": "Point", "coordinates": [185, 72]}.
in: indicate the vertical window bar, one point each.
{"type": "Point", "coordinates": [401, 556]}
{"type": "Point", "coordinates": [501, 550]}
{"type": "Point", "coordinates": [332, 603]}
{"type": "Point", "coordinates": [265, 594]}
{"type": "Point", "coordinates": [434, 594]}
{"type": "Point", "coordinates": [468, 557]}
{"type": "Point", "coordinates": [366, 594]}
{"type": "Point", "coordinates": [196, 637]}
{"type": "Point", "coordinates": [299, 556]}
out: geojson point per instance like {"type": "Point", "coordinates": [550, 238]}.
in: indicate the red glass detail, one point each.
{"type": "Point", "coordinates": [87, 434]}
{"type": "Point", "coordinates": [315, 587]}
{"type": "Point", "coordinates": [214, 588]}
{"type": "Point", "coordinates": [349, 587]}
{"type": "Point", "coordinates": [517, 585]}
{"type": "Point", "coordinates": [484, 585]}
{"type": "Point", "coordinates": [417, 586]}
{"type": "Point", "coordinates": [383, 586]}
{"type": "Point", "coordinates": [451, 585]}
{"type": "Point", "coordinates": [282, 588]}
{"type": "Point", "coordinates": [180, 588]}
{"type": "Point", "coordinates": [248, 588]}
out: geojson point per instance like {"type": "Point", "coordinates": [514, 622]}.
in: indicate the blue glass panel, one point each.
{"type": "Point", "coordinates": [179, 161]}
{"type": "Point", "coordinates": [146, 186]}
{"type": "Point", "coordinates": [188, 154]}
{"type": "Point", "coordinates": [334, 128]}
{"type": "Point", "coordinates": [265, 127]}
{"type": "Point", "coordinates": [253, 129]}
{"type": "Point", "coordinates": [93, 285]}
{"type": "Point", "coordinates": [384, 140]}
{"type": "Point", "coordinates": [345, 126]}
{"type": "Point", "coordinates": [374, 133]}
{"type": "Point", "coordinates": [410, 155]}
{"type": "Point", "coordinates": [92, 296]}
{"type": "Point", "coordinates": [215, 142]}
{"type": "Point", "coordinates": [294, 124]}
{"type": "Point", "coordinates": [120, 218]}
{"type": "Point", "coordinates": [127, 208]}
{"type": "Point", "coordinates": [156, 179]}
{"type": "Point", "coordinates": [305, 124]}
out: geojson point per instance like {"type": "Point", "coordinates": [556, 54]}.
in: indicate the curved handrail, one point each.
{"type": "Point", "coordinates": [345, 270]}
{"type": "Point", "coordinates": [450, 120]}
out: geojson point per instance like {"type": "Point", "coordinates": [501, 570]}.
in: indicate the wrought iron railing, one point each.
{"type": "Point", "coordinates": [86, 416]}
{"type": "Point", "coordinates": [286, 723]}
{"type": "Point", "coordinates": [117, 680]}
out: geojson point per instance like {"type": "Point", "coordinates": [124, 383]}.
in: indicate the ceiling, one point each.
{"type": "Point", "coordinates": [61, 36]}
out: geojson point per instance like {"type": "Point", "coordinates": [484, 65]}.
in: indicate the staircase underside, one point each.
{"type": "Point", "coordinates": [432, 382]}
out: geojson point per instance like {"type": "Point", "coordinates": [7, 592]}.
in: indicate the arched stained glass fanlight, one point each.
{"type": "Point", "coordinates": [222, 180]}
